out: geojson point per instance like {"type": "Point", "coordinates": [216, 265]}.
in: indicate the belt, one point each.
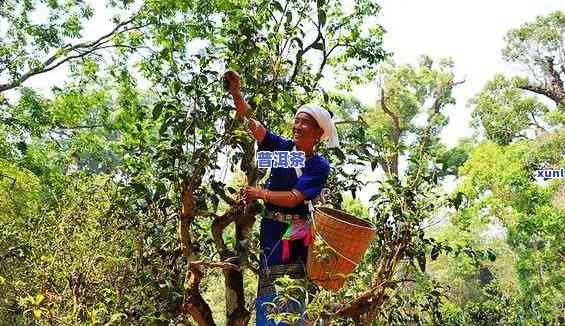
{"type": "Point", "coordinates": [282, 217]}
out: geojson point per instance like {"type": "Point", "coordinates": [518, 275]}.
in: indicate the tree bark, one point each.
{"type": "Point", "coordinates": [237, 314]}
{"type": "Point", "coordinates": [391, 164]}
{"type": "Point", "coordinates": [194, 303]}
{"type": "Point", "coordinates": [557, 97]}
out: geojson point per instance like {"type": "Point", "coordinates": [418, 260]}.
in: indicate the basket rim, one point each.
{"type": "Point", "coordinates": [371, 228]}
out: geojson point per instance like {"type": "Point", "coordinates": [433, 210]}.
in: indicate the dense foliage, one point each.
{"type": "Point", "coordinates": [119, 191]}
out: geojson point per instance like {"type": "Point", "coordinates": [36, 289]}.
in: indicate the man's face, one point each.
{"type": "Point", "coordinates": [305, 128]}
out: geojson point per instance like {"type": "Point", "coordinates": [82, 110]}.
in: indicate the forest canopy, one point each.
{"type": "Point", "coordinates": [120, 186]}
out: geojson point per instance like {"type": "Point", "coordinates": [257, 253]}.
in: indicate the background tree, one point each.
{"type": "Point", "coordinates": [384, 137]}
{"type": "Point", "coordinates": [513, 108]}
{"type": "Point", "coordinates": [538, 47]}
{"type": "Point", "coordinates": [523, 122]}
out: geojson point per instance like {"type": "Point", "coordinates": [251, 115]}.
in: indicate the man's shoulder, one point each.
{"type": "Point", "coordinates": [283, 138]}
{"type": "Point", "coordinates": [281, 142]}
{"type": "Point", "coordinates": [320, 163]}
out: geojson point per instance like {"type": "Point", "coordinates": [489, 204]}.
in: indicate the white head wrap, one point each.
{"type": "Point", "coordinates": [324, 120]}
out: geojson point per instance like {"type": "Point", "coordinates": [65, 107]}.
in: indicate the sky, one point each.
{"type": "Point", "coordinates": [470, 32]}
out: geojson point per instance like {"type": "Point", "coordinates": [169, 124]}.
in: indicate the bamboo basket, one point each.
{"type": "Point", "coordinates": [339, 242]}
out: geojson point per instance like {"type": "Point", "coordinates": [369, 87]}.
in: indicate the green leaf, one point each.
{"type": "Point", "coordinates": [175, 86]}
{"type": "Point", "coordinates": [37, 314]}
{"type": "Point", "coordinates": [326, 96]}
{"type": "Point", "coordinates": [374, 164]}
{"type": "Point", "coordinates": [278, 6]}
{"type": "Point", "coordinates": [322, 17]}
{"type": "Point", "coordinates": [339, 153]}
{"type": "Point", "coordinates": [39, 297]}
{"type": "Point", "coordinates": [22, 147]}
{"type": "Point", "coordinates": [139, 188]}
{"type": "Point", "coordinates": [215, 201]}
{"type": "Point", "coordinates": [421, 262]}
{"type": "Point", "coordinates": [435, 252]}
{"type": "Point", "coordinates": [457, 200]}
{"type": "Point", "coordinates": [318, 46]}
{"type": "Point", "coordinates": [298, 41]}
{"type": "Point", "coordinates": [491, 255]}
{"type": "Point", "coordinates": [117, 317]}
{"type": "Point", "coordinates": [157, 109]}
{"type": "Point", "coordinates": [288, 17]}
{"type": "Point", "coordinates": [166, 124]}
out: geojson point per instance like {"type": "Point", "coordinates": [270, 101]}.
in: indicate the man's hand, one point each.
{"type": "Point", "coordinates": [234, 82]}
{"type": "Point", "coordinates": [233, 87]}
{"type": "Point", "coordinates": [252, 193]}
{"type": "Point", "coordinates": [280, 198]}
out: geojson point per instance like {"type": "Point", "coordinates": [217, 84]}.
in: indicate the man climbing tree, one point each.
{"type": "Point", "coordinates": [285, 233]}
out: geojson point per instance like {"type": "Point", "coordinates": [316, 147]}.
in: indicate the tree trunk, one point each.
{"type": "Point", "coordinates": [194, 302]}
{"type": "Point", "coordinates": [237, 314]}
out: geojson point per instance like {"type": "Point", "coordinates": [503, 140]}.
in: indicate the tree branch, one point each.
{"type": "Point", "coordinates": [556, 82]}
{"type": "Point", "coordinates": [535, 123]}
{"type": "Point", "coordinates": [51, 62]}
{"type": "Point", "coordinates": [80, 127]}
{"type": "Point", "coordinates": [301, 53]}
{"type": "Point", "coordinates": [358, 121]}
{"type": "Point", "coordinates": [194, 304]}
{"type": "Point", "coordinates": [335, 47]}
{"type": "Point", "coordinates": [392, 167]}
{"type": "Point", "coordinates": [219, 264]}
{"type": "Point", "coordinates": [557, 98]}
{"type": "Point", "coordinates": [325, 57]}
{"type": "Point", "coordinates": [393, 116]}
{"type": "Point", "coordinates": [436, 106]}
{"type": "Point", "coordinates": [220, 223]}
{"type": "Point", "coordinates": [220, 192]}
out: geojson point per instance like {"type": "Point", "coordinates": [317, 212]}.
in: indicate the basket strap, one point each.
{"type": "Point", "coordinates": [311, 218]}
{"type": "Point", "coordinates": [331, 247]}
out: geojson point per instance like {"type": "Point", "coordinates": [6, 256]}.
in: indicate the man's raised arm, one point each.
{"type": "Point", "coordinates": [234, 88]}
